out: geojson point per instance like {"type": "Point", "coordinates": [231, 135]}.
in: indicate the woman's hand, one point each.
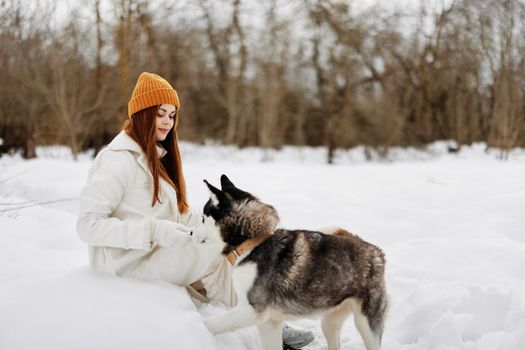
{"type": "Point", "coordinates": [168, 233]}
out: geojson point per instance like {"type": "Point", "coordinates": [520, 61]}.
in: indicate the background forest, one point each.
{"type": "Point", "coordinates": [267, 73]}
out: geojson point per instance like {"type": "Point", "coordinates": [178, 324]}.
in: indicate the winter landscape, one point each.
{"type": "Point", "coordinates": [451, 226]}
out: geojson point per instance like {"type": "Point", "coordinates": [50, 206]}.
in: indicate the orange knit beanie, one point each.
{"type": "Point", "coordinates": [151, 90]}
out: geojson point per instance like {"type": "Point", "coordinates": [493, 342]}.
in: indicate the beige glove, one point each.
{"type": "Point", "coordinates": [199, 234]}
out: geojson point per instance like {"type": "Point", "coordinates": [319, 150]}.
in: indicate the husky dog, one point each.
{"type": "Point", "coordinates": [287, 274]}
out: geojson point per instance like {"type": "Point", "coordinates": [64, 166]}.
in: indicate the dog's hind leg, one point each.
{"type": "Point", "coordinates": [271, 334]}
{"type": "Point", "coordinates": [242, 315]}
{"type": "Point", "coordinates": [370, 318]}
{"type": "Point", "coordinates": [333, 321]}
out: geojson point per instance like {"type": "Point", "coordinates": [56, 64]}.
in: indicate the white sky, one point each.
{"type": "Point", "coordinates": [64, 7]}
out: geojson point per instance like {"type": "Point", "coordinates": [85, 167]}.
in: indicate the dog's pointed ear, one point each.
{"type": "Point", "coordinates": [229, 189]}
{"type": "Point", "coordinates": [215, 194]}
{"type": "Point", "coordinates": [225, 182]}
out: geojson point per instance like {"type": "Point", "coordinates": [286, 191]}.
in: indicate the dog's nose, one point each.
{"type": "Point", "coordinates": [191, 233]}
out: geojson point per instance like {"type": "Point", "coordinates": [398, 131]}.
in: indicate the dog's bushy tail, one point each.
{"type": "Point", "coordinates": [375, 303]}
{"type": "Point", "coordinates": [337, 231]}
{"type": "Point", "coordinates": [343, 233]}
{"type": "Point", "coordinates": [375, 310]}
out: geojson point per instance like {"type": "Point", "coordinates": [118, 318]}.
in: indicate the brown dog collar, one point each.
{"type": "Point", "coordinates": [245, 246]}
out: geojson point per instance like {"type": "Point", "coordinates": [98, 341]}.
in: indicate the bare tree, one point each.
{"type": "Point", "coordinates": [22, 111]}
{"type": "Point", "coordinates": [271, 80]}
{"type": "Point", "coordinates": [68, 89]}
{"type": "Point", "coordinates": [507, 109]}
{"type": "Point", "coordinates": [231, 72]}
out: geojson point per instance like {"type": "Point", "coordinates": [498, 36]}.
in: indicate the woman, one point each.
{"type": "Point", "coordinates": [134, 212]}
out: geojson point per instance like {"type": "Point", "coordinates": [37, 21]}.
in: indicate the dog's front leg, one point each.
{"type": "Point", "coordinates": [271, 334]}
{"type": "Point", "coordinates": [242, 315]}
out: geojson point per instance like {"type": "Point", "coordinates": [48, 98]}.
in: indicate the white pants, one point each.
{"type": "Point", "coordinates": [185, 266]}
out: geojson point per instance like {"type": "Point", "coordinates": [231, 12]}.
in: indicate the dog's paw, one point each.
{"type": "Point", "coordinates": [199, 234]}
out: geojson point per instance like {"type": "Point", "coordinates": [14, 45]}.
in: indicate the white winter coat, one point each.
{"type": "Point", "coordinates": [117, 221]}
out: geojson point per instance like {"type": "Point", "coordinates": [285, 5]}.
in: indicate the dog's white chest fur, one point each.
{"type": "Point", "coordinates": [243, 278]}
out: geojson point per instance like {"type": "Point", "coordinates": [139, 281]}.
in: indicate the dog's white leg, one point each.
{"type": "Point", "coordinates": [242, 315]}
{"type": "Point", "coordinates": [271, 334]}
{"type": "Point", "coordinates": [332, 323]}
{"type": "Point", "coordinates": [372, 341]}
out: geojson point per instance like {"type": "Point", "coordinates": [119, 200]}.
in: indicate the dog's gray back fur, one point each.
{"type": "Point", "coordinates": [300, 272]}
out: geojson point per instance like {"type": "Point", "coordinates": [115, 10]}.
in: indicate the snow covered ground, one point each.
{"type": "Point", "coordinates": [452, 228]}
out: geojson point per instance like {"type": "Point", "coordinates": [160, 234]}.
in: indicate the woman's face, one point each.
{"type": "Point", "coordinates": [164, 121]}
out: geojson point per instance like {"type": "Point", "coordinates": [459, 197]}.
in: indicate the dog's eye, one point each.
{"type": "Point", "coordinates": [203, 219]}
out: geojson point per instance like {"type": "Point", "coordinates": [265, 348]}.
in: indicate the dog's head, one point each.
{"type": "Point", "coordinates": [238, 215]}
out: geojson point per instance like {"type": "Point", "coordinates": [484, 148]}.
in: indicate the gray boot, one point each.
{"type": "Point", "coordinates": [296, 338]}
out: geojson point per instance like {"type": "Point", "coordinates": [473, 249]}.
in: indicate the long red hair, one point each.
{"type": "Point", "coordinates": [141, 128]}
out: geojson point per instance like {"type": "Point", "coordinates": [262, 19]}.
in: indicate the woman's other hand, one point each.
{"type": "Point", "coordinates": [199, 234]}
